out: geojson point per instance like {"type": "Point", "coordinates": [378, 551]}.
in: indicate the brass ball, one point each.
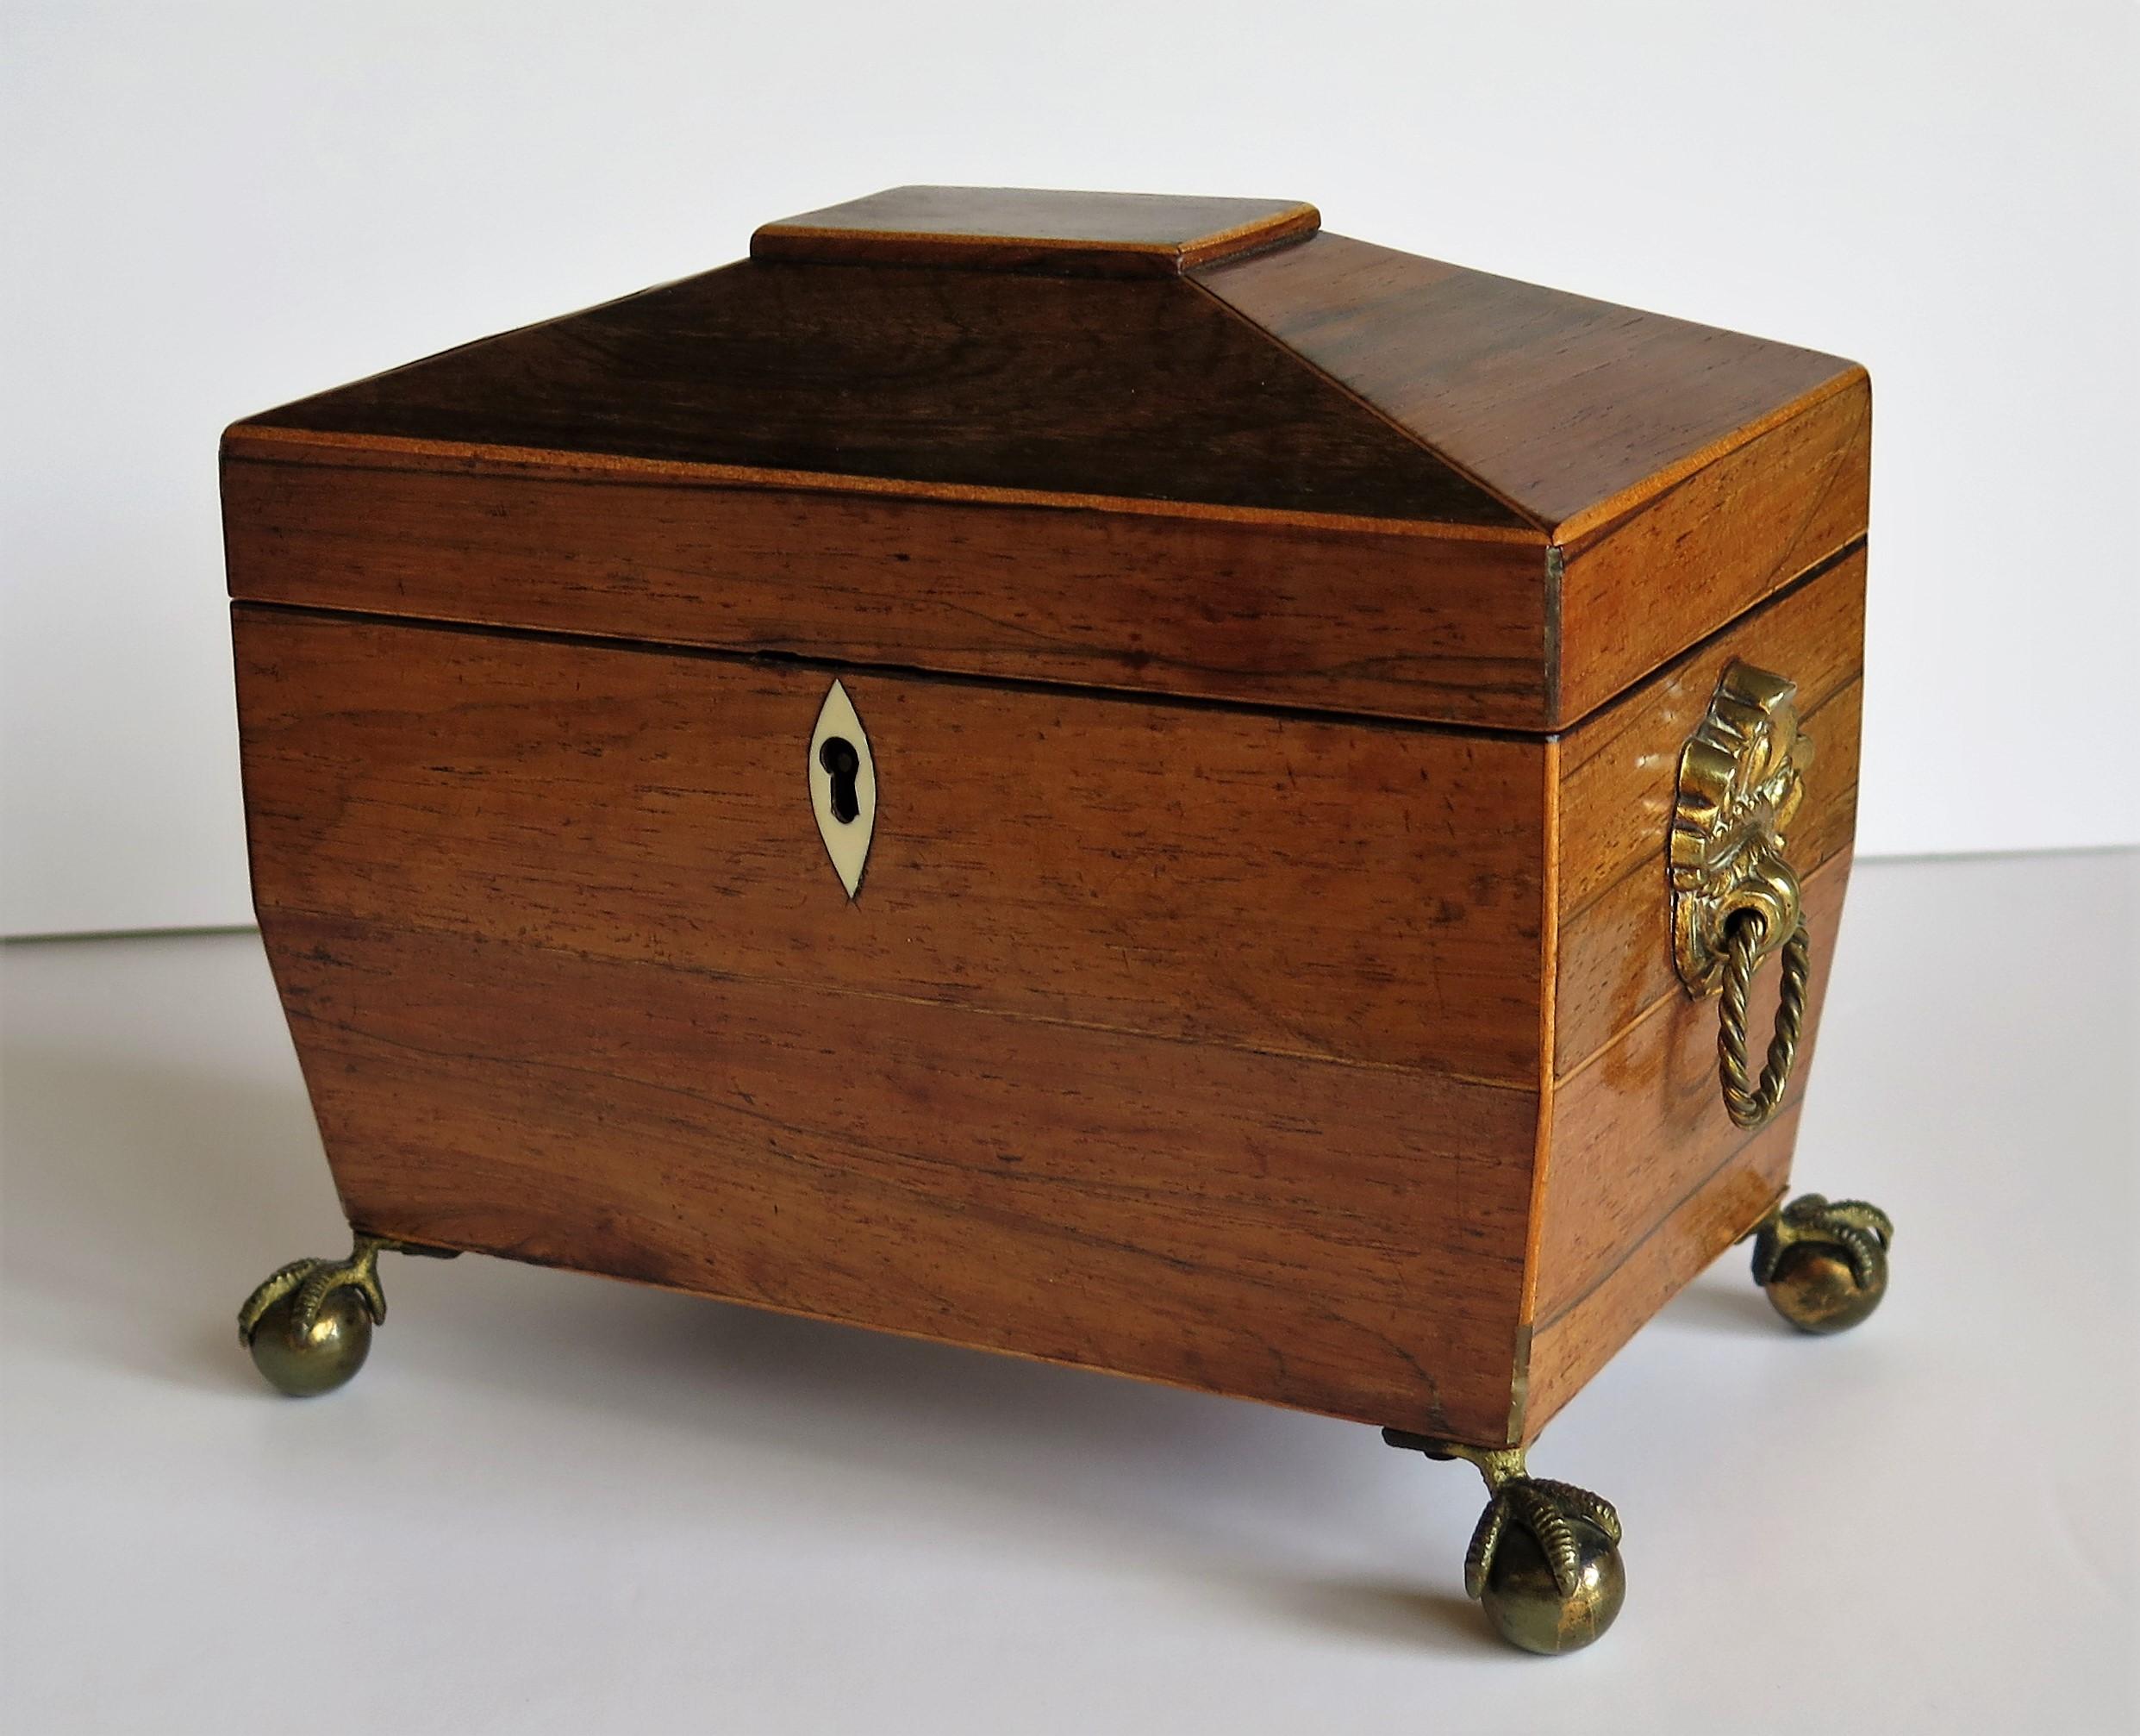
{"type": "Point", "coordinates": [1814, 1288]}
{"type": "Point", "coordinates": [327, 1357]}
{"type": "Point", "coordinates": [1526, 1606]}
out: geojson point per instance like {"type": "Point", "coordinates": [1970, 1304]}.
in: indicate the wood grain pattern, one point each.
{"type": "Point", "coordinates": [1276, 668]}
{"type": "Point", "coordinates": [1565, 1355]}
{"type": "Point", "coordinates": [1571, 409]}
{"type": "Point", "coordinates": [1271, 883]}
{"type": "Point", "coordinates": [935, 378]}
{"type": "Point", "coordinates": [455, 832]}
{"type": "Point", "coordinates": [1619, 778]}
{"type": "Point", "coordinates": [1683, 472]}
{"type": "Point", "coordinates": [1291, 1230]}
{"type": "Point", "coordinates": [1015, 228]}
{"type": "Point", "coordinates": [1644, 1179]}
{"type": "Point", "coordinates": [1652, 478]}
{"type": "Point", "coordinates": [1644, 1167]}
{"type": "Point", "coordinates": [1450, 629]}
{"type": "Point", "coordinates": [1728, 537]}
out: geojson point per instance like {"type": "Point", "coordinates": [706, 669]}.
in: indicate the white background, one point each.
{"type": "Point", "coordinates": [213, 209]}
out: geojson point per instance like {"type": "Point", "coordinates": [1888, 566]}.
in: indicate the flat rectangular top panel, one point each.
{"type": "Point", "coordinates": [1056, 233]}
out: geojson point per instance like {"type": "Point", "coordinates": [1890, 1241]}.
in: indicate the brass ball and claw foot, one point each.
{"type": "Point", "coordinates": [1824, 1266]}
{"type": "Point", "coordinates": [1544, 1561]}
{"type": "Point", "coordinates": [309, 1326]}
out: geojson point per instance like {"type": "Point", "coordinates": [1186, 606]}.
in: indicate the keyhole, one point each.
{"type": "Point", "coordinates": [838, 757]}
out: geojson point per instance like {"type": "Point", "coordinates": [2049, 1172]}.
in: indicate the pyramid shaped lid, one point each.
{"type": "Point", "coordinates": [1218, 351]}
{"type": "Point", "coordinates": [1132, 354]}
{"type": "Point", "coordinates": [1015, 357]}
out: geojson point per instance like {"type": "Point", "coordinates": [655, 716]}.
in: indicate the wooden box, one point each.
{"type": "Point", "coordinates": [1270, 662]}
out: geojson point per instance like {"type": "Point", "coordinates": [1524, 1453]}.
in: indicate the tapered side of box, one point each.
{"type": "Point", "coordinates": [1644, 1177]}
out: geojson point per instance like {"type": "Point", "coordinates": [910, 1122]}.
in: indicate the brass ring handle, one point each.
{"type": "Point", "coordinates": [1734, 896]}
{"type": "Point", "coordinates": [1751, 1103]}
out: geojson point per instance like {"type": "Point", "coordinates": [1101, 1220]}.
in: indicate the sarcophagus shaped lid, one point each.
{"type": "Point", "coordinates": [1187, 444]}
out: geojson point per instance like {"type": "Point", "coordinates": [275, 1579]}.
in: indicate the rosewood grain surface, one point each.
{"type": "Point", "coordinates": [1289, 885]}
{"type": "Point", "coordinates": [1569, 408]}
{"type": "Point", "coordinates": [1650, 478]}
{"type": "Point", "coordinates": [1261, 980]}
{"type": "Point", "coordinates": [1013, 229]}
{"type": "Point", "coordinates": [934, 378]}
{"type": "Point", "coordinates": [1723, 541]}
{"type": "Point", "coordinates": [1565, 1354]}
{"type": "Point", "coordinates": [1643, 1168]}
{"type": "Point", "coordinates": [1683, 472]}
{"type": "Point", "coordinates": [1331, 616]}
{"type": "Point", "coordinates": [1288, 1230]}
{"type": "Point", "coordinates": [1618, 780]}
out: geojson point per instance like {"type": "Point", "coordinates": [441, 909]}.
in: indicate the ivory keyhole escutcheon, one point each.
{"type": "Point", "coordinates": [843, 787]}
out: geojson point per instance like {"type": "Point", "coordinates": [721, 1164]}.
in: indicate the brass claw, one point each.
{"type": "Point", "coordinates": [1545, 1560]}
{"type": "Point", "coordinates": [1546, 1509]}
{"type": "Point", "coordinates": [1823, 1263]}
{"type": "Point", "coordinates": [309, 1326]}
{"type": "Point", "coordinates": [313, 1281]}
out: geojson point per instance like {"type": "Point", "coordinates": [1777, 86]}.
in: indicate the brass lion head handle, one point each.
{"type": "Point", "coordinates": [1735, 898]}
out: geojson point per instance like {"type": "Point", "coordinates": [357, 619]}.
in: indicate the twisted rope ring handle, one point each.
{"type": "Point", "coordinates": [1751, 1103]}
